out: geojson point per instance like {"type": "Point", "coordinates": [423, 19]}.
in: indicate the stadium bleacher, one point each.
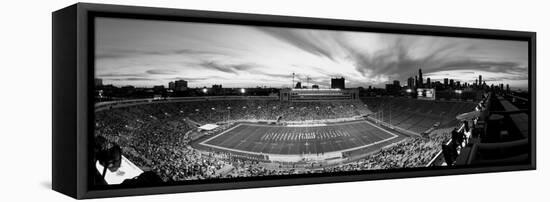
{"type": "Point", "coordinates": [416, 115]}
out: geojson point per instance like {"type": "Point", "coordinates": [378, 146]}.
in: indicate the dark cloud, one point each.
{"type": "Point", "coordinates": [161, 71]}
{"type": "Point", "coordinates": [100, 56]}
{"type": "Point", "coordinates": [394, 60]}
{"type": "Point", "coordinates": [120, 75]}
{"type": "Point", "coordinates": [195, 78]}
{"type": "Point", "coordinates": [227, 68]}
{"type": "Point", "coordinates": [131, 79]}
{"type": "Point", "coordinates": [124, 53]}
{"type": "Point", "coordinates": [282, 76]}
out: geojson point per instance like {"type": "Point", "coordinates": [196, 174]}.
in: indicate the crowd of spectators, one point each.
{"type": "Point", "coordinates": [410, 152]}
{"type": "Point", "coordinates": [234, 110]}
{"type": "Point", "coordinates": [157, 141]}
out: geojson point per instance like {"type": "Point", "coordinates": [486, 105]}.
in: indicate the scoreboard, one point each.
{"type": "Point", "coordinates": [425, 93]}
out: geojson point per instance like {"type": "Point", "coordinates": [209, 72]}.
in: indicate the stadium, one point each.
{"type": "Point", "coordinates": [299, 131]}
{"type": "Point", "coordinates": [188, 104]}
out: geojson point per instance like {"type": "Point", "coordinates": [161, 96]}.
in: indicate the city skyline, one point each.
{"type": "Point", "coordinates": [144, 53]}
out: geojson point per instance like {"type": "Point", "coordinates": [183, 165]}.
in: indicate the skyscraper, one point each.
{"type": "Point", "coordinates": [446, 82]}
{"type": "Point", "coordinates": [410, 82]}
{"type": "Point", "coordinates": [428, 82]}
{"type": "Point", "coordinates": [420, 80]}
{"type": "Point", "coordinates": [480, 81]}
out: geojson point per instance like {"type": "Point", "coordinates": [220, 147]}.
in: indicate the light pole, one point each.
{"type": "Point", "coordinates": [211, 112]}
{"type": "Point", "coordinates": [228, 113]}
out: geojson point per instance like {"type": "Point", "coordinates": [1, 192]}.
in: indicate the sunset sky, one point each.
{"type": "Point", "coordinates": [144, 53]}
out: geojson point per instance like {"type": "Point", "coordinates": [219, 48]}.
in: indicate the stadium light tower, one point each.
{"type": "Point", "coordinates": [228, 113]}
{"type": "Point", "coordinates": [212, 109]}
{"type": "Point", "coordinates": [243, 90]}
{"type": "Point", "coordinates": [204, 90]}
{"type": "Point", "coordinates": [291, 86]}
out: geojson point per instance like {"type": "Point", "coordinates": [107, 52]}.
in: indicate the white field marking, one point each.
{"type": "Point", "coordinates": [258, 153]}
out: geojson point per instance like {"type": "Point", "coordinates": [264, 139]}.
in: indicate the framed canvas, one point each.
{"type": "Point", "coordinates": [156, 100]}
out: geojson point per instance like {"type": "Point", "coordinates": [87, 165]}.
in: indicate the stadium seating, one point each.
{"type": "Point", "coordinates": [416, 115]}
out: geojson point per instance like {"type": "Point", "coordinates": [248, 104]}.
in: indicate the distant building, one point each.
{"type": "Point", "coordinates": [396, 83]}
{"type": "Point", "coordinates": [180, 85]}
{"type": "Point", "coordinates": [410, 82]}
{"type": "Point", "coordinates": [480, 81]}
{"type": "Point", "coordinates": [159, 89]}
{"type": "Point", "coordinates": [452, 83]}
{"type": "Point", "coordinates": [446, 82]}
{"type": "Point", "coordinates": [325, 95]}
{"type": "Point", "coordinates": [98, 82]}
{"type": "Point", "coordinates": [420, 80]}
{"type": "Point", "coordinates": [315, 86]}
{"type": "Point", "coordinates": [338, 83]}
{"type": "Point", "coordinates": [428, 82]}
{"type": "Point", "coordinates": [172, 85]}
{"type": "Point", "coordinates": [394, 87]}
{"type": "Point", "coordinates": [298, 85]}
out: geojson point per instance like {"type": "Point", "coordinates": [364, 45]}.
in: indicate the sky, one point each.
{"type": "Point", "coordinates": [144, 53]}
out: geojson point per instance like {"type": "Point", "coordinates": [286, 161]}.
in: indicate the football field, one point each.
{"type": "Point", "coordinates": [255, 138]}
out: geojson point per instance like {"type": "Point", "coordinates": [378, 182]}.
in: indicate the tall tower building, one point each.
{"type": "Point", "coordinates": [480, 81]}
{"type": "Point", "coordinates": [428, 82]}
{"type": "Point", "coordinates": [98, 82]}
{"type": "Point", "coordinates": [410, 82]}
{"type": "Point", "coordinates": [420, 80]}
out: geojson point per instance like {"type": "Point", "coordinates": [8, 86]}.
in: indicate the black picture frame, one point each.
{"type": "Point", "coordinates": [73, 110]}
